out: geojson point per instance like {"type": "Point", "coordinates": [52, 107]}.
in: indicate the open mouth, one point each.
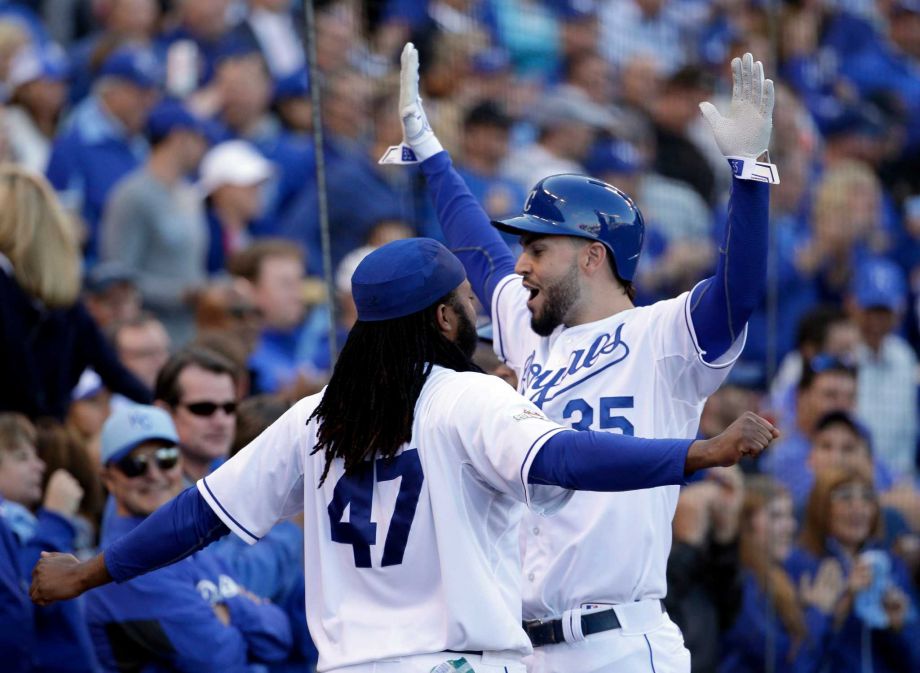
{"type": "Point", "coordinates": [532, 290]}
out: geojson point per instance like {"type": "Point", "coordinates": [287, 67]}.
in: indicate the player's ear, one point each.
{"type": "Point", "coordinates": [593, 257]}
{"type": "Point", "coordinates": [444, 319]}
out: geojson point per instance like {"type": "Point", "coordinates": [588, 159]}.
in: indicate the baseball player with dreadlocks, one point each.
{"type": "Point", "coordinates": [563, 318]}
{"type": "Point", "coordinates": [412, 470]}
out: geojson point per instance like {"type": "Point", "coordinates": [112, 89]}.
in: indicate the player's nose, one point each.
{"type": "Point", "coordinates": [523, 266]}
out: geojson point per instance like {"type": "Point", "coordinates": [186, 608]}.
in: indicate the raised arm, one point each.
{"type": "Point", "coordinates": [722, 304]}
{"type": "Point", "coordinates": [467, 228]}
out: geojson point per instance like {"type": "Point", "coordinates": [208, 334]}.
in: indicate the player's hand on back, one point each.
{"type": "Point", "coordinates": [749, 435]}
{"type": "Point", "coordinates": [419, 142]}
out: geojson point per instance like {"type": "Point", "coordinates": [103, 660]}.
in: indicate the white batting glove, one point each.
{"type": "Point", "coordinates": [419, 142]}
{"type": "Point", "coordinates": [744, 134]}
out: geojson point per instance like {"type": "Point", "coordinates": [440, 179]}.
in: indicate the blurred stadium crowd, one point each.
{"type": "Point", "coordinates": [172, 252]}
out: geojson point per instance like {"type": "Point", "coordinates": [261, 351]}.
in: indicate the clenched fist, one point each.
{"type": "Point", "coordinates": [58, 577]}
{"type": "Point", "coordinates": [747, 436]}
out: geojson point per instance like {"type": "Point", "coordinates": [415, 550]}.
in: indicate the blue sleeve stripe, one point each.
{"type": "Point", "coordinates": [226, 513]}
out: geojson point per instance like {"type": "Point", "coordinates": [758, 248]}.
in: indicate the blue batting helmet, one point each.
{"type": "Point", "coordinates": [577, 205]}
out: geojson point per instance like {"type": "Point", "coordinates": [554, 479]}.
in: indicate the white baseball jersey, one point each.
{"type": "Point", "coordinates": [419, 553]}
{"type": "Point", "coordinates": [638, 372]}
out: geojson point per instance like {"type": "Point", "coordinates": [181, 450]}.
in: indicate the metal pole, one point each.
{"type": "Point", "coordinates": [316, 100]}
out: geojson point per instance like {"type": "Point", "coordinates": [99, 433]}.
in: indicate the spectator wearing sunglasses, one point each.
{"type": "Point", "coordinates": [874, 623]}
{"type": "Point", "coordinates": [191, 616]}
{"type": "Point", "coordinates": [198, 388]}
{"type": "Point", "coordinates": [827, 384]}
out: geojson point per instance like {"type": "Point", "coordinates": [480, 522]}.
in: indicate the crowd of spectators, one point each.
{"type": "Point", "coordinates": [161, 294]}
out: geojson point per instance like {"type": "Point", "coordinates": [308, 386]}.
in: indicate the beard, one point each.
{"type": "Point", "coordinates": [558, 300]}
{"type": "Point", "coordinates": [467, 337]}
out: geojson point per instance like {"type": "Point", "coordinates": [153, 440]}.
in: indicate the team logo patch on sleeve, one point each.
{"type": "Point", "coordinates": [527, 414]}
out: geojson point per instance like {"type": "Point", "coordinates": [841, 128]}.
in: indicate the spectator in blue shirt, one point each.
{"type": "Point", "coordinates": [827, 384]}
{"type": "Point", "coordinates": [274, 273]}
{"type": "Point", "coordinates": [486, 130]}
{"type": "Point", "coordinates": [191, 616]}
{"type": "Point", "coordinates": [103, 140]}
{"type": "Point", "coordinates": [244, 87]}
{"type": "Point", "coordinates": [17, 629]}
{"type": "Point", "coordinates": [42, 521]}
{"type": "Point", "coordinates": [800, 621]}
{"type": "Point", "coordinates": [233, 180]}
{"type": "Point", "coordinates": [875, 621]}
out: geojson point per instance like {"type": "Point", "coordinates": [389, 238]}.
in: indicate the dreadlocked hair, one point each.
{"type": "Point", "coordinates": [368, 407]}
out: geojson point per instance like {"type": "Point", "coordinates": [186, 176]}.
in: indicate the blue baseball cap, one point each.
{"type": "Point", "coordinates": [404, 277]}
{"type": "Point", "coordinates": [293, 85]}
{"type": "Point", "coordinates": [171, 115]}
{"type": "Point", "coordinates": [879, 283]}
{"type": "Point", "coordinates": [136, 65]}
{"type": "Point", "coordinates": [37, 63]}
{"type": "Point", "coordinates": [613, 156]}
{"type": "Point", "coordinates": [130, 426]}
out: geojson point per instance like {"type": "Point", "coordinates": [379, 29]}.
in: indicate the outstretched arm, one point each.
{"type": "Point", "coordinates": [722, 304]}
{"type": "Point", "coordinates": [178, 529]}
{"type": "Point", "coordinates": [606, 461]}
{"type": "Point", "coordinates": [467, 229]}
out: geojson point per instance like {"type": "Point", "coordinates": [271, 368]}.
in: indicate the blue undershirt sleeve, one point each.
{"type": "Point", "coordinates": [606, 461]}
{"type": "Point", "coordinates": [178, 529]}
{"type": "Point", "coordinates": [721, 305]}
{"type": "Point", "coordinates": [467, 228]}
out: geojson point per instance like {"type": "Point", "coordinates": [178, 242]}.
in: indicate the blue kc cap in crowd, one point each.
{"type": "Point", "coordinates": [133, 64]}
{"type": "Point", "coordinates": [879, 283]}
{"type": "Point", "coordinates": [171, 115]}
{"type": "Point", "coordinates": [130, 426]}
{"type": "Point", "coordinates": [404, 277]}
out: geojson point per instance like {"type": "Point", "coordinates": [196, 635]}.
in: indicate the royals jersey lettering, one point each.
{"type": "Point", "coordinates": [639, 372]}
{"type": "Point", "coordinates": [416, 554]}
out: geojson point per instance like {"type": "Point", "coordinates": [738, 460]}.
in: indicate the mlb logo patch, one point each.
{"type": "Point", "coordinates": [737, 166]}
{"type": "Point", "coordinates": [408, 154]}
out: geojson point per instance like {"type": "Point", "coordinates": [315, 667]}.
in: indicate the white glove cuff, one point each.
{"type": "Point", "coordinates": [748, 168]}
{"type": "Point", "coordinates": [403, 154]}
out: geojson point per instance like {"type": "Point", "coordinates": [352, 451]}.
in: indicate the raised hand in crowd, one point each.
{"type": "Point", "coordinates": [824, 590]}
{"type": "Point", "coordinates": [63, 494]}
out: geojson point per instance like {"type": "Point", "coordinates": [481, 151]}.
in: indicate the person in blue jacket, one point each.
{"type": "Point", "coordinates": [799, 622]}
{"type": "Point", "coordinates": [874, 625]}
{"type": "Point", "coordinates": [191, 616]}
{"type": "Point", "coordinates": [17, 632]}
{"type": "Point", "coordinates": [40, 521]}
{"type": "Point", "coordinates": [103, 139]}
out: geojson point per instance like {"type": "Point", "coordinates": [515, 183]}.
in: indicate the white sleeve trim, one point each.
{"type": "Point", "coordinates": [223, 514]}
{"type": "Point", "coordinates": [498, 330]}
{"type": "Point", "coordinates": [560, 497]}
{"type": "Point", "coordinates": [729, 357]}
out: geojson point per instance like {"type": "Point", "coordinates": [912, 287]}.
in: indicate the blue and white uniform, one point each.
{"type": "Point", "coordinates": [645, 371]}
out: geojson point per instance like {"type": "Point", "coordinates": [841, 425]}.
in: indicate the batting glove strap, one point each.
{"type": "Point", "coordinates": [748, 168]}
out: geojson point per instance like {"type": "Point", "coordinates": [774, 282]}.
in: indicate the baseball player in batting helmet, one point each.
{"type": "Point", "coordinates": [564, 320]}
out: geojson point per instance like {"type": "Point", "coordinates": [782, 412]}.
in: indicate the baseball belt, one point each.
{"type": "Point", "coordinates": [549, 631]}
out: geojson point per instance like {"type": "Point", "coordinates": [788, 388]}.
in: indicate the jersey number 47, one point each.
{"type": "Point", "coordinates": [356, 491]}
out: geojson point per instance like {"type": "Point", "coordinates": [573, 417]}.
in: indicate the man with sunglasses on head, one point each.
{"type": "Point", "coordinates": [198, 388]}
{"type": "Point", "coordinates": [163, 619]}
